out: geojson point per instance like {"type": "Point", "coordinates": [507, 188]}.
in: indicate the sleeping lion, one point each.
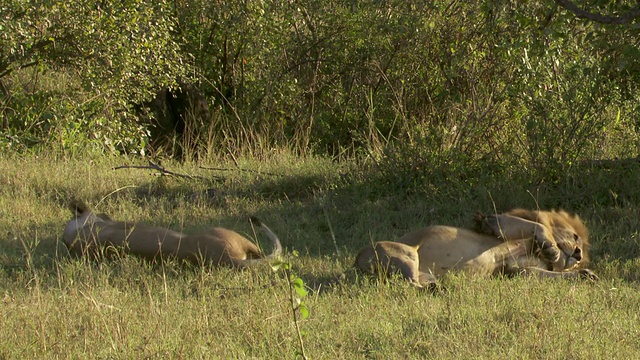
{"type": "Point", "coordinates": [96, 235]}
{"type": "Point", "coordinates": [518, 242]}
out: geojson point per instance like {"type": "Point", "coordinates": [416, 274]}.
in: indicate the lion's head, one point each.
{"type": "Point", "coordinates": [569, 232]}
{"type": "Point", "coordinates": [573, 249]}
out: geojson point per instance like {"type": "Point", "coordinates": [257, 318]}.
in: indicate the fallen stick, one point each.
{"type": "Point", "coordinates": [239, 169]}
{"type": "Point", "coordinates": [161, 169]}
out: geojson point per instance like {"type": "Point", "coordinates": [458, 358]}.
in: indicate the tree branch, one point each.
{"type": "Point", "coordinates": [162, 170]}
{"type": "Point", "coordinates": [627, 18]}
{"type": "Point", "coordinates": [239, 169]}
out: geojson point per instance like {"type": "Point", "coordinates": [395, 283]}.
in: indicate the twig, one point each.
{"type": "Point", "coordinates": [235, 161]}
{"type": "Point", "coordinates": [333, 235]}
{"type": "Point", "coordinates": [611, 163]}
{"type": "Point", "coordinates": [238, 169]}
{"type": "Point", "coordinates": [162, 170]}
{"type": "Point", "coordinates": [629, 17]}
{"type": "Point", "coordinates": [294, 313]}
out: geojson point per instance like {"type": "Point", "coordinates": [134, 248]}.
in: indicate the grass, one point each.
{"type": "Point", "coordinates": [55, 306]}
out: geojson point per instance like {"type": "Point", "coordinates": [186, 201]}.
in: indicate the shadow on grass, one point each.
{"type": "Point", "coordinates": [335, 212]}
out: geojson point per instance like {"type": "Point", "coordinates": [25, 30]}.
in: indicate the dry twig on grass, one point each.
{"type": "Point", "coordinates": [161, 169]}
{"type": "Point", "coordinates": [239, 169]}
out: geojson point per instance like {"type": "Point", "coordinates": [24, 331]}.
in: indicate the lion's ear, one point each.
{"type": "Point", "coordinates": [104, 216]}
{"type": "Point", "coordinates": [478, 217]}
{"type": "Point", "coordinates": [78, 207]}
{"type": "Point", "coordinates": [480, 223]}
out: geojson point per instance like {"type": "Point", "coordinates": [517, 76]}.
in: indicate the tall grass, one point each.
{"type": "Point", "coordinates": [56, 306]}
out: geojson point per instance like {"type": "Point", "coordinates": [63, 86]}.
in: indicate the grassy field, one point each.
{"type": "Point", "coordinates": [56, 306]}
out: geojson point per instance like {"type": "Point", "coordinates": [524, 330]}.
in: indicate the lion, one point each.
{"type": "Point", "coordinates": [388, 257]}
{"type": "Point", "coordinates": [98, 235]}
{"type": "Point", "coordinates": [518, 242]}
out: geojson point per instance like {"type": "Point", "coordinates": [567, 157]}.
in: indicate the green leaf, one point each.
{"type": "Point", "coordinates": [298, 285]}
{"type": "Point", "coordinates": [304, 312]}
{"type": "Point", "coordinates": [279, 264]}
{"type": "Point", "coordinates": [275, 266]}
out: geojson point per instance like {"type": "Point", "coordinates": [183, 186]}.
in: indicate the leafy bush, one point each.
{"type": "Point", "coordinates": [485, 85]}
{"type": "Point", "coordinates": [117, 55]}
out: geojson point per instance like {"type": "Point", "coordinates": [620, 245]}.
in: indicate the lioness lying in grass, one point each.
{"type": "Point", "coordinates": [540, 243]}
{"type": "Point", "coordinates": [95, 234]}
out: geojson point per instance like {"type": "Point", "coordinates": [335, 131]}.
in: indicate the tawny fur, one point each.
{"type": "Point", "coordinates": [96, 235]}
{"type": "Point", "coordinates": [540, 243]}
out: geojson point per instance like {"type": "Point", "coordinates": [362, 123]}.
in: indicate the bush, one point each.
{"type": "Point", "coordinates": [466, 85]}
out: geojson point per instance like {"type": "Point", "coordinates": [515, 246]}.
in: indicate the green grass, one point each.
{"type": "Point", "coordinates": [55, 306]}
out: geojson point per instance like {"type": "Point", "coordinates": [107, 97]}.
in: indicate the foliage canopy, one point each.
{"type": "Point", "coordinates": [421, 85]}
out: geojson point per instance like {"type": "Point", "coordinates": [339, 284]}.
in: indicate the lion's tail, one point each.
{"type": "Point", "coordinates": [277, 246]}
{"type": "Point", "coordinates": [78, 207]}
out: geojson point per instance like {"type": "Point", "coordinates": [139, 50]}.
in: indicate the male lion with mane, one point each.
{"type": "Point", "coordinates": [518, 242]}
{"type": "Point", "coordinates": [95, 234]}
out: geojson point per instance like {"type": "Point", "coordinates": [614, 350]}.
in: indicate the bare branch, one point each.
{"type": "Point", "coordinates": [239, 169]}
{"type": "Point", "coordinates": [162, 170]}
{"type": "Point", "coordinates": [609, 164]}
{"type": "Point", "coordinates": [627, 18]}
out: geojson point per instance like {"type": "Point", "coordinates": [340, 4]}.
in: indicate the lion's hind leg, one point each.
{"type": "Point", "coordinates": [386, 258]}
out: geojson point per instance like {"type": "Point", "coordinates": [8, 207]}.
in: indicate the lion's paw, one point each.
{"type": "Point", "coordinates": [487, 224]}
{"type": "Point", "coordinates": [549, 250]}
{"type": "Point", "coordinates": [588, 274]}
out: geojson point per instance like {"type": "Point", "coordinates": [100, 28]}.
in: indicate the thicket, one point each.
{"type": "Point", "coordinates": [450, 88]}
